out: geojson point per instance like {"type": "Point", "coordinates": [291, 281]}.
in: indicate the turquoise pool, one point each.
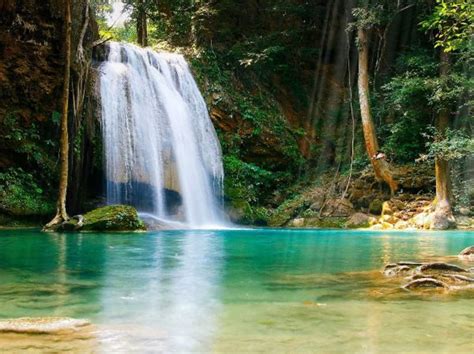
{"type": "Point", "coordinates": [231, 291]}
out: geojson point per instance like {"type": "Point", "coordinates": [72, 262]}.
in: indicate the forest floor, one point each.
{"type": "Point", "coordinates": [363, 202]}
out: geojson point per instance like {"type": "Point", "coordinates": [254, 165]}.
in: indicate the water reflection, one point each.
{"type": "Point", "coordinates": [169, 299]}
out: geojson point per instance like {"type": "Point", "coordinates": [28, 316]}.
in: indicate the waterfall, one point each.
{"type": "Point", "coordinates": [161, 151]}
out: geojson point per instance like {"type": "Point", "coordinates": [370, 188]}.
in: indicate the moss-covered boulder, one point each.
{"type": "Point", "coordinates": [358, 220]}
{"type": "Point", "coordinates": [108, 218]}
{"type": "Point", "coordinates": [375, 207]}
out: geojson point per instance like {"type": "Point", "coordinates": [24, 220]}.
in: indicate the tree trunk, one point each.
{"type": "Point", "coordinates": [142, 31]}
{"type": "Point", "coordinates": [61, 214]}
{"type": "Point", "coordinates": [382, 168]}
{"type": "Point", "coordinates": [442, 217]}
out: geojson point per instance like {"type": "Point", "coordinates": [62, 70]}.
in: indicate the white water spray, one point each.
{"type": "Point", "coordinates": [161, 150]}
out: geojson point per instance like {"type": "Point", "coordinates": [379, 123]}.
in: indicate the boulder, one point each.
{"type": "Point", "coordinates": [389, 219]}
{"type": "Point", "coordinates": [401, 225]}
{"type": "Point", "coordinates": [464, 222]}
{"type": "Point", "coordinates": [317, 197]}
{"type": "Point", "coordinates": [465, 211]}
{"type": "Point", "coordinates": [386, 226]}
{"type": "Point", "coordinates": [386, 209]}
{"type": "Point", "coordinates": [298, 222]}
{"type": "Point", "coordinates": [337, 208]}
{"type": "Point", "coordinates": [376, 227]}
{"type": "Point", "coordinates": [375, 207]}
{"type": "Point", "coordinates": [108, 218]}
{"type": "Point", "coordinates": [358, 220]}
{"type": "Point", "coordinates": [422, 220]}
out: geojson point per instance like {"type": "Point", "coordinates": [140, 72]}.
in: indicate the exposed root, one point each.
{"type": "Point", "coordinates": [56, 223]}
{"type": "Point", "coordinates": [441, 267]}
{"type": "Point", "coordinates": [425, 283]}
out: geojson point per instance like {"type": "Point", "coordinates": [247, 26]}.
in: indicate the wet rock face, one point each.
{"type": "Point", "coordinates": [31, 74]}
{"type": "Point", "coordinates": [30, 60]}
{"type": "Point", "coordinates": [31, 47]}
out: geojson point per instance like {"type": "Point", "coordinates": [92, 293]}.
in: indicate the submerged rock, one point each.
{"type": "Point", "coordinates": [425, 283]}
{"type": "Point", "coordinates": [441, 267]}
{"type": "Point", "coordinates": [41, 325]}
{"type": "Point", "coordinates": [108, 218]}
{"type": "Point", "coordinates": [435, 275]}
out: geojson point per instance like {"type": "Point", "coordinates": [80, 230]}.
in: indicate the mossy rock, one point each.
{"type": "Point", "coordinates": [358, 220]}
{"type": "Point", "coordinates": [334, 222]}
{"type": "Point", "coordinates": [319, 222]}
{"type": "Point", "coordinates": [375, 207]}
{"type": "Point", "coordinates": [108, 218]}
{"type": "Point", "coordinates": [288, 210]}
{"type": "Point", "coordinates": [279, 218]}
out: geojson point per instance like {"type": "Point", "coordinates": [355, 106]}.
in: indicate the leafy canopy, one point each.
{"type": "Point", "coordinates": [453, 21]}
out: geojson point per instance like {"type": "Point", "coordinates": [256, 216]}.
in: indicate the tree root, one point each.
{"type": "Point", "coordinates": [54, 224]}
{"type": "Point", "coordinates": [425, 283]}
{"type": "Point", "coordinates": [441, 267]}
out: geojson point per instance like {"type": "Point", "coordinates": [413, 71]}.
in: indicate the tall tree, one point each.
{"type": "Point", "coordinates": [61, 214]}
{"type": "Point", "coordinates": [453, 23]}
{"type": "Point", "coordinates": [365, 20]}
{"type": "Point", "coordinates": [141, 19]}
{"type": "Point", "coordinates": [443, 215]}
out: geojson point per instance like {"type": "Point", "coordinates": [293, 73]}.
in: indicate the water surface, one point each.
{"type": "Point", "coordinates": [233, 291]}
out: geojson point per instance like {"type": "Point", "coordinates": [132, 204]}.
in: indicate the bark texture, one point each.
{"type": "Point", "coordinates": [61, 213]}
{"type": "Point", "coordinates": [382, 169]}
{"type": "Point", "coordinates": [442, 217]}
{"type": "Point", "coordinates": [142, 31]}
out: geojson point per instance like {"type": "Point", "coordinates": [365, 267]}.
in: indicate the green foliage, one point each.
{"type": "Point", "coordinates": [246, 181]}
{"type": "Point", "coordinates": [462, 178]}
{"type": "Point", "coordinates": [21, 195]}
{"type": "Point", "coordinates": [366, 17]}
{"type": "Point", "coordinates": [127, 33]}
{"type": "Point", "coordinates": [453, 145]}
{"type": "Point", "coordinates": [31, 142]}
{"type": "Point", "coordinates": [411, 97]}
{"type": "Point", "coordinates": [405, 98]}
{"type": "Point", "coordinates": [241, 97]}
{"type": "Point", "coordinates": [453, 21]}
{"type": "Point", "coordinates": [288, 209]}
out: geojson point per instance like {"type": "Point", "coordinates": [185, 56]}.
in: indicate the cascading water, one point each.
{"type": "Point", "coordinates": [161, 150]}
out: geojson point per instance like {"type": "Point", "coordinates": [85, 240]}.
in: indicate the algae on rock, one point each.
{"type": "Point", "coordinates": [108, 218]}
